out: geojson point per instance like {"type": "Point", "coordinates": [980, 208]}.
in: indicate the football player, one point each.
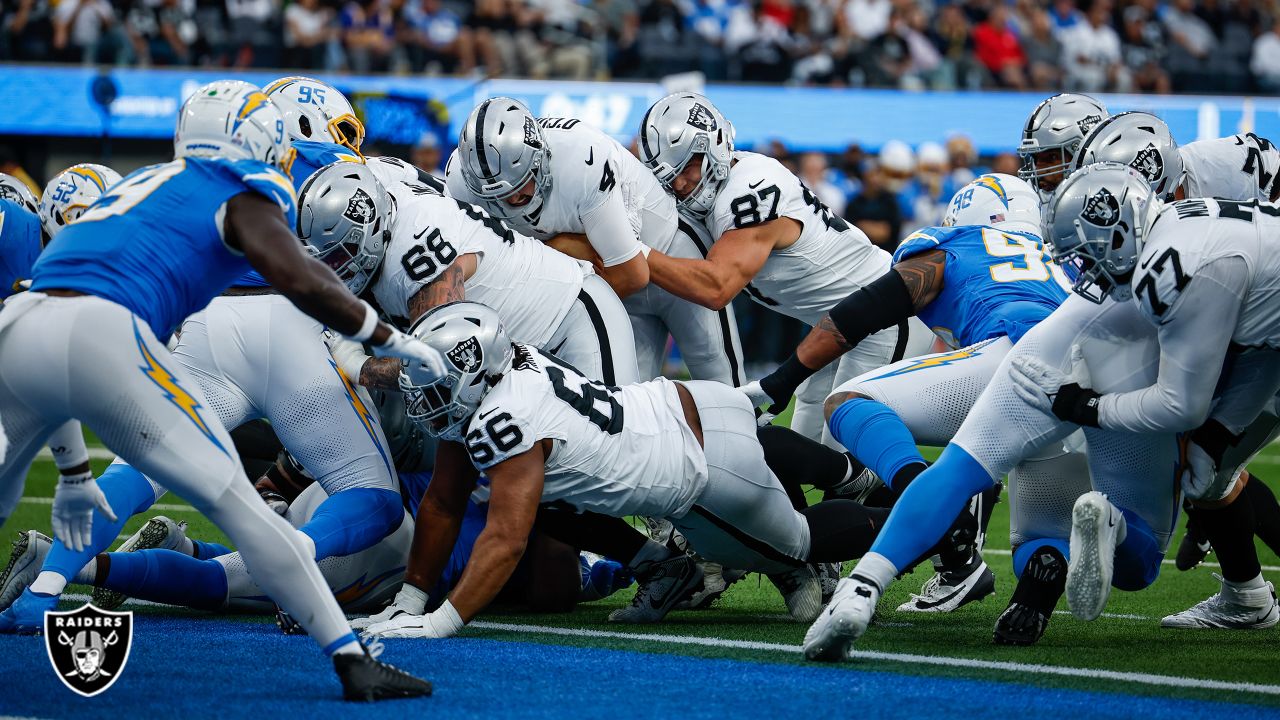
{"type": "Point", "coordinates": [772, 237]}
{"type": "Point", "coordinates": [120, 280]}
{"type": "Point", "coordinates": [980, 282]}
{"type": "Point", "coordinates": [542, 432]}
{"type": "Point", "coordinates": [1051, 139]}
{"type": "Point", "coordinates": [565, 182]}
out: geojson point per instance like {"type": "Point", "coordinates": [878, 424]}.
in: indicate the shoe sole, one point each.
{"type": "Point", "coordinates": [982, 588]}
{"type": "Point", "coordinates": [836, 643]}
{"type": "Point", "coordinates": [1088, 572]}
{"type": "Point", "coordinates": [21, 558]}
{"type": "Point", "coordinates": [151, 535]}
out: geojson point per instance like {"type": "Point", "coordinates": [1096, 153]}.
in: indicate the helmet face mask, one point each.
{"type": "Point", "coordinates": [1052, 136]}
{"type": "Point", "coordinates": [675, 132]}
{"type": "Point", "coordinates": [345, 218]}
{"type": "Point", "coordinates": [502, 151]}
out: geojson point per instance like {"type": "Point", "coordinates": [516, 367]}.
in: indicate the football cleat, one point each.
{"type": "Point", "coordinates": [1249, 610]}
{"type": "Point", "coordinates": [662, 586]}
{"type": "Point", "coordinates": [1042, 584]}
{"type": "Point", "coordinates": [365, 679]}
{"type": "Point", "coordinates": [801, 590]}
{"type": "Point", "coordinates": [830, 638]}
{"type": "Point", "coordinates": [946, 591]}
{"type": "Point", "coordinates": [829, 575]}
{"type": "Point", "coordinates": [1191, 551]}
{"type": "Point", "coordinates": [716, 579]}
{"type": "Point", "coordinates": [25, 558]}
{"type": "Point", "coordinates": [158, 532]}
{"type": "Point", "coordinates": [1097, 527]}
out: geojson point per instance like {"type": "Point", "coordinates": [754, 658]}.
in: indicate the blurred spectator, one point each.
{"type": "Point", "coordinates": [495, 28]}
{"type": "Point", "coordinates": [847, 173]}
{"type": "Point", "coordinates": [553, 39]}
{"type": "Point", "coordinates": [866, 19]}
{"type": "Point", "coordinates": [961, 158]}
{"type": "Point", "coordinates": [1007, 163]}
{"type": "Point", "coordinates": [28, 29]}
{"type": "Point", "coordinates": [1044, 52]}
{"type": "Point", "coordinates": [1265, 61]}
{"type": "Point", "coordinates": [427, 155]}
{"type": "Point", "coordinates": [814, 174]}
{"type": "Point", "coordinates": [875, 209]}
{"type": "Point", "coordinates": [897, 168]}
{"type": "Point", "coordinates": [887, 59]}
{"type": "Point", "coordinates": [762, 46]}
{"type": "Point", "coordinates": [85, 31]}
{"type": "Point", "coordinates": [1091, 52]}
{"type": "Point", "coordinates": [1144, 51]}
{"type": "Point", "coordinates": [999, 49]}
{"type": "Point", "coordinates": [162, 32]}
{"type": "Point", "coordinates": [254, 32]}
{"type": "Point", "coordinates": [437, 39]}
{"type": "Point", "coordinates": [1193, 40]}
{"type": "Point", "coordinates": [926, 66]}
{"type": "Point", "coordinates": [952, 38]}
{"type": "Point", "coordinates": [1064, 14]}
{"type": "Point", "coordinates": [368, 34]}
{"type": "Point", "coordinates": [621, 20]}
{"type": "Point", "coordinates": [931, 188]}
{"type": "Point", "coordinates": [308, 30]}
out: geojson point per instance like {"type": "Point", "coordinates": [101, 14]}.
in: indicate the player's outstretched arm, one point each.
{"type": "Point", "coordinates": [893, 298]}
{"type": "Point", "coordinates": [733, 261]}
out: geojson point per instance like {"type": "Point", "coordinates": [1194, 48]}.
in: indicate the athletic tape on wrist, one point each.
{"type": "Point", "coordinates": [366, 329]}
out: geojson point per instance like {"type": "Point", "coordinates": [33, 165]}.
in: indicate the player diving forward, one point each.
{"type": "Point", "coordinates": [119, 281]}
{"type": "Point", "coordinates": [542, 432]}
{"type": "Point", "coordinates": [773, 238]}
{"type": "Point", "coordinates": [980, 283]}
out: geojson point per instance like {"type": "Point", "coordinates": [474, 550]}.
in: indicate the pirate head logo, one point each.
{"type": "Point", "coordinates": [359, 208]}
{"type": "Point", "coordinates": [1087, 123]}
{"type": "Point", "coordinates": [1102, 209]}
{"type": "Point", "coordinates": [701, 118]}
{"type": "Point", "coordinates": [466, 355]}
{"type": "Point", "coordinates": [88, 647]}
{"type": "Point", "coordinates": [1148, 163]}
{"type": "Point", "coordinates": [531, 133]}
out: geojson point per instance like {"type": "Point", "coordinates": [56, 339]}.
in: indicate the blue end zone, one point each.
{"type": "Point", "coordinates": [216, 668]}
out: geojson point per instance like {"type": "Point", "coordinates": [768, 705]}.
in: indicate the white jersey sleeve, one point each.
{"type": "Point", "coordinates": [1239, 167]}
{"type": "Point", "coordinates": [392, 171]}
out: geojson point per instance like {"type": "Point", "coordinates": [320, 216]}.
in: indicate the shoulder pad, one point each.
{"type": "Point", "coordinates": [268, 180]}
{"type": "Point", "coordinates": [926, 239]}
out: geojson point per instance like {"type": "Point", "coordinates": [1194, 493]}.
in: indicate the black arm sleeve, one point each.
{"type": "Point", "coordinates": [879, 305]}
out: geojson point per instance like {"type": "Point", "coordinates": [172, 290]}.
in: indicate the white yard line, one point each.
{"type": "Point", "coordinates": [95, 453]}
{"type": "Point", "coordinates": [163, 507]}
{"type": "Point", "coordinates": [1166, 561]}
{"type": "Point", "coordinates": [1016, 670]}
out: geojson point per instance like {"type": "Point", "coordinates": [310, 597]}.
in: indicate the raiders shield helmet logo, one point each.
{"type": "Point", "coordinates": [531, 133]}
{"type": "Point", "coordinates": [1102, 209]}
{"type": "Point", "coordinates": [466, 355]}
{"type": "Point", "coordinates": [1148, 163]}
{"type": "Point", "coordinates": [88, 647]}
{"type": "Point", "coordinates": [701, 118]}
{"type": "Point", "coordinates": [1087, 122]}
{"type": "Point", "coordinates": [359, 208]}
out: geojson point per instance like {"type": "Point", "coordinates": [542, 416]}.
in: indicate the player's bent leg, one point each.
{"type": "Point", "coordinates": [873, 433]}
{"type": "Point", "coordinates": [1041, 567]}
{"type": "Point", "coordinates": [595, 336]}
{"type": "Point", "coordinates": [807, 418]}
{"type": "Point", "coordinates": [353, 520]}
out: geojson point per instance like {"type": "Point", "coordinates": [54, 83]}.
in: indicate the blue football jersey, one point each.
{"type": "Point", "coordinates": [995, 283]}
{"type": "Point", "coordinates": [19, 245]}
{"type": "Point", "coordinates": [311, 157]}
{"type": "Point", "coordinates": [154, 243]}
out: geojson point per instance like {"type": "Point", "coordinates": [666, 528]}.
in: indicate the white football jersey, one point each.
{"type": "Point", "coordinates": [530, 285]}
{"type": "Point", "coordinates": [830, 259]}
{"type": "Point", "coordinates": [587, 168]}
{"type": "Point", "coordinates": [1239, 167]}
{"type": "Point", "coordinates": [617, 451]}
{"type": "Point", "coordinates": [1192, 233]}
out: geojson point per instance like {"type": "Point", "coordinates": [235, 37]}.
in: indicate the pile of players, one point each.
{"type": "Point", "coordinates": [463, 375]}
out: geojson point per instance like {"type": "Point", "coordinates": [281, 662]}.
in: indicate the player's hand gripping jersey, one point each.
{"type": "Point", "coordinates": [150, 272]}
{"type": "Point", "coordinates": [829, 260]}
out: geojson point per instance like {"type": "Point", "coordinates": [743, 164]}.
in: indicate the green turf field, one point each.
{"type": "Point", "coordinates": [1120, 651]}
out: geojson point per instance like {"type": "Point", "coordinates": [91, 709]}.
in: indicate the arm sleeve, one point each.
{"type": "Point", "coordinates": [610, 232]}
{"type": "Point", "coordinates": [1193, 344]}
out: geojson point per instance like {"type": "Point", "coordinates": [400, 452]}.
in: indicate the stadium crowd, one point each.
{"type": "Point", "coordinates": [1088, 45]}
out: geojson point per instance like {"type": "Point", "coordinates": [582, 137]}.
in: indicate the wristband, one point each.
{"type": "Point", "coordinates": [366, 329]}
{"type": "Point", "coordinates": [1077, 404]}
{"type": "Point", "coordinates": [78, 479]}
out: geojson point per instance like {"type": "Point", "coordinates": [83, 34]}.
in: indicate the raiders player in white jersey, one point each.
{"type": "Point", "coordinates": [566, 183]}
{"type": "Point", "coordinates": [1238, 167]}
{"type": "Point", "coordinates": [772, 238]}
{"type": "Point", "coordinates": [542, 432]}
{"type": "Point", "coordinates": [1051, 138]}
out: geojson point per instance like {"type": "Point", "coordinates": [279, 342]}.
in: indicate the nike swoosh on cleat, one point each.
{"type": "Point", "coordinates": [932, 604]}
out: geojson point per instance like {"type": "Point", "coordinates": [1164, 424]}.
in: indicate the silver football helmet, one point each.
{"type": "Point", "coordinates": [501, 150]}
{"type": "Point", "coordinates": [344, 217]}
{"type": "Point", "coordinates": [71, 192]}
{"type": "Point", "coordinates": [679, 127]}
{"type": "Point", "coordinates": [1001, 201]}
{"type": "Point", "coordinates": [1052, 136]}
{"type": "Point", "coordinates": [315, 110]}
{"type": "Point", "coordinates": [1141, 141]}
{"type": "Point", "coordinates": [11, 188]}
{"type": "Point", "coordinates": [1097, 222]}
{"type": "Point", "coordinates": [477, 351]}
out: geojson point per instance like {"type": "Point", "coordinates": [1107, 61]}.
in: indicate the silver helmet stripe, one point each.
{"type": "Point", "coordinates": [480, 153]}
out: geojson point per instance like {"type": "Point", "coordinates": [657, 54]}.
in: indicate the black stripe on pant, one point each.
{"type": "Point", "coordinates": [602, 334]}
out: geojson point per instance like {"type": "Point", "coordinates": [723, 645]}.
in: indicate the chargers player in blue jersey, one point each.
{"type": "Point", "coordinates": [87, 342]}
{"type": "Point", "coordinates": [979, 282]}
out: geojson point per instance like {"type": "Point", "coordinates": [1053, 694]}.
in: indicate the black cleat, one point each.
{"type": "Point", "coordinates": [367, 680]}
{"type": "Point", "coordinates": [1043, 582]}
{"type": "Point", "coordinates": [1191, 551]}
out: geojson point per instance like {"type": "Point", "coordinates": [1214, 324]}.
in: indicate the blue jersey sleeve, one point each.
{"type": "Point", "coordinates": [19, 245]}
{"type": "Point", "coordinates": [314, 155]}
{"type": "Point", "coordinates": [921, 241]}
{"type": "Point", "coordinates": [267, 180]}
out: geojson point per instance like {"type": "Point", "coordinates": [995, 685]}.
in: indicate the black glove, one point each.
{"type": "Point", "coordinates": [1077, 405]}
{"type": "Point", "coordinates": [781, 384]}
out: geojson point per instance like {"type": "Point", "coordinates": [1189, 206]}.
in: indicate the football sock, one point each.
{"type": "Point", "coordinates": [841, 529]}
{"type": "Point", "coordinates": [1046, 581]}
{"type": "Point", "coordinates": [352, 520]}
{"type": "Point", "coordinates": [1266, 511]}
{"type": "Point", "coordinates": [129, 493]}
{"type": "Point", "coordinates": [875, 569]}
{"type": "Point", "coordinates": [798, 460]}
{"type": "Point", "coordinates": [600, 534]}
{"type": "Point", "coordinates": [168, 577]}
{"type": "Point", "coordinates": [876, 436]}
{"type": "Point", "coordinates": [929, 507]}
{"type": "Point", "coordinates": [1230, 530]}
{"type": "Point", "coordinates": [1023, 553]}
{"type": "Point", "coordinates": [202, 550]}
{"type": "Point", "coordinates": [1138, 556]}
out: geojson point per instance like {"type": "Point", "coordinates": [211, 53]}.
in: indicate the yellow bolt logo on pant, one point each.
{"type": "Point", "coordinates": [174, 393]}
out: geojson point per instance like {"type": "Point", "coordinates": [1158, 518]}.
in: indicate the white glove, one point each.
{"type": "Point", "coordinates": [1202, 479]}
{"type": "Point", "coordinates": [423, 363]}
{"type": "Point", "coordinates": [73, 504]}
{"type": "Point", "coordinates": [443, 623]}
{"type": "Point", "coordinates": [1037, 382]}
{"type": "Point", "coordinates": [410, 601]}
{"type": "Point", "coordinates": [759, 399]}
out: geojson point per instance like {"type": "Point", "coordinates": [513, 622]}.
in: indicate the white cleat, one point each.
{"type": "Point", "coordinates": [801, 590]}
{"type": "Point", "coordinates": [1097, 527]}
{"type": "Point", "coordinates": [841, 623]}
{"type": "Point", "coordinates": [1231, 610]}
{"type": "Point", "coordinates": [158, 532]}
{"type": "Point", "coordinates": [28, 554]}
{"type": "Point", "coordinates": [947, 591]}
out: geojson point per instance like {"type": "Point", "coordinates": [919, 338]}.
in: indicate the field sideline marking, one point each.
{"type": "Point", "coordinates": [164, 507]}
{"type": "Point", "coordinates": [907, 658]}
{"type": "Point", "coordinates": [95, 453]}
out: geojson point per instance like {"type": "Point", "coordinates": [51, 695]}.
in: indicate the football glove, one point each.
{"type": "Point", "coordinates": [74, 501]}
{"type": "Point", "coordinates": [758, 397]}
{"type": "Point", "coordinates": [1051, 391]}
{"type": "Point", "coordinates": [1200, 478]}
{"type": "Point", "coordinates": [423, 363]}
{"type": "Point", "coordinates": [409, 601]}
{"type": "Point", "coordinates": [443, 623]}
